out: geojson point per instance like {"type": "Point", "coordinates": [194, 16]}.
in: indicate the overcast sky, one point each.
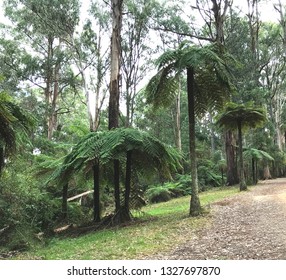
{"type": "Point", "coordinates": [266, 9]}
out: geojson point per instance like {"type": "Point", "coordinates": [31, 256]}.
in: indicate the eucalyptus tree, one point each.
{"type": "Point", "coordinates": [238, 117]}
{"type": "Point", "coordinates": [253, 17]}
{"type": "Point", "coordinates": [213, 14]}
{"type": "Point", "coordinates": [114, 86]}
{"type": "Point", "coordinates": [281, 9]}
{"type": "Point", "coordinates": [42, 26]}
{"type": "Point", "coordinates": [91, 56]}
{"type": "Point", "coordinates": [136, 50]}
{"type": "Point", "coordinates": [272, 76]}
{"type": "Point", "coordinates": [208, 86]}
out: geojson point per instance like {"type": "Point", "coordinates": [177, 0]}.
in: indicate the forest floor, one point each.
{"type": "Point", "coordinates": [251, 225]}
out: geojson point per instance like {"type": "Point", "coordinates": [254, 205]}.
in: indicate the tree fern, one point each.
{"type": "Point", "coordinates": [208, 87]}
{"type": "Point", "coordinates": [239, 117]}
{"type": "Point", "coordinates": [248, 115]}
{"type": "Point", "coordinates": [257, 154]}
{"type": "Point", "coordinates": [148, 154]}
{"type": "Point", "coordinates": [14, 125]}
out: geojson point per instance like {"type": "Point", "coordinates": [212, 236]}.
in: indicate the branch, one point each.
{"type": "Point", "coordinates": [262, 66]}
{"type": "Point", "coordinates": [183, 34]}
{"type": "Point", "coordinates": [60, 112]}
{"type": "Point", "coordinates": [23, 76]}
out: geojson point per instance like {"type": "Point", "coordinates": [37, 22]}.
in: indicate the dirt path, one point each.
{"type": "Point", "coordinates": [251, 225]}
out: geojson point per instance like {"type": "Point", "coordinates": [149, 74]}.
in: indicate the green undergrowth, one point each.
{"type": "Point", "coordinates": [158, 228]}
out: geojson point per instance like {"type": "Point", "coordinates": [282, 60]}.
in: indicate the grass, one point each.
{"type": "Point", "coordinates": [159, 228]}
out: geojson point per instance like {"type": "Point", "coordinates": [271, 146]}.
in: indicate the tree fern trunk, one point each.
{"type": "Point", "coordinates": [96, 193]}
{"type": "Point", "coordinates": [195, 206]}
{"type": "Point", "coordinates": [65, 202]}
{"type": "Point", "coordinates": [178, 138]}
{"type": "Point", "coordinates": [232, 177]}
{"type": "Point", "coordinates": [254, 173]}
{"type": "Point", "coordinates": [116, 186]}
{"type": "Point", "coordinates": [2, 160]}
{"type": "Point", "coordinates": [242, 183]}
{"type": "Point", "coordinates": [128, 181]}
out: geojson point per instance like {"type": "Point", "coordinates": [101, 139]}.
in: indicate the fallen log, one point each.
{"type": "Point", "coordinates": [4, 229]}
{"type": "Point", "coordinates": [79, 195]}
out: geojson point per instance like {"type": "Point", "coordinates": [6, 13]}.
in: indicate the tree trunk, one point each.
{"type": "Point", "coordinates": [128, 105]}
{"type": "Point", "coordinates": [266, 172]}
{"type": "Point", "coordinates": [113, 112]}
{"type": "Point", "coordinates": [116, 180]}
{"type": "Point", "coordinates": [65, 202]}
{"type": "Point", "coordinates": [195, 206]}
{"type": "Point", "coordinates": [213, 147]}
{"type": "Point", "coordinates": [254, 178]}
{"type": "Point", "coordinates": [232, 178]}
{"type": "Point", "coordinates": [255, 171]}
{"type": "Point", "coordinates": [96, 193]}
{"type": "Point", "coordinates": [53, 116]}
{"type": "Point", "coordinates": [99, 79]}
{"type": "Point", "coordinates": [282, 22]}
{"type": "Point", "coordinates": [253, 23]}
{"type": "Point", "coordinates": [178, 120]}
{"type": "Point", "coordinates": [2, 161]}
{"type": "Point", "coordinates": [48, 89]}
{"type": "Point", "coordinates": [242, 183]}
{"type": "Point", "coordinates": [128, 182]}
{"type": "Point", "coordinates": [219, 12]}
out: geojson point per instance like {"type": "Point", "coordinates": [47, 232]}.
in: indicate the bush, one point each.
{"type": "Point", "coordinates": [208, 178]}
{"type": "Point", "coordinates": [162, 193]}
{"type": "Point", "coordinates": [157, 194]}
{"type": "Point", "coordinates": [184, 182]}
{"type": "Point", "coordinates": [25, 209]}
{"type": "Point", "coordinates": [177, 190]}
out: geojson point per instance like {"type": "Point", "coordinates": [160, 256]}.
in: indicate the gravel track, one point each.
{"type": "Point", "coordinates": [251, 225]}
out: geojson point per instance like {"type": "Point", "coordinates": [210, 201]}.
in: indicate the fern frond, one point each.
{"type": "Point", "coordinates": [148, 153]}
{"type": "Point", "coordinates": [247, 115]}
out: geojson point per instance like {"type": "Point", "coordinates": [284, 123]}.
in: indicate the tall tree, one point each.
{"type": "Point", "coordinates": [205, 70]}
{"type": "Point", "coordinates": [43, 26]}
{"type": "Point", "coordinates": [214, 18]}
{"type": "Point", "coordinates": [91, 57]}
{"type": "Point", "coordinates": [114, 86]}
{"type": "Point", "coordinates": [135, 51]}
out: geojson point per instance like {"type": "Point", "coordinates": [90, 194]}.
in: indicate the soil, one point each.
{"type": "Point", "coordinates": [251, 225]}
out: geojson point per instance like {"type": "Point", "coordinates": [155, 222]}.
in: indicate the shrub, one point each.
{"type": "Point", "coordinates": [157, 194]}
{"type": "Point", "coordinates": [162, 193]}
{"type": "Point", "coordinates": [184, 182]}
{"type": "Point", "coordinates": [208, 178]}
{"type": "Point", "coordinates": [25, 209]}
